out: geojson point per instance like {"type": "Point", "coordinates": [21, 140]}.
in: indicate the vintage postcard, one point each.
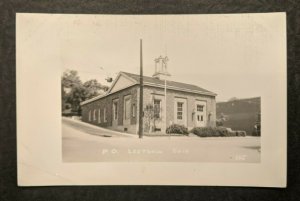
{"type": "Point", "coordinates": [151, 99]}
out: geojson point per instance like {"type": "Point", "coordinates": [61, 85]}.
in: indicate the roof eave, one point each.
{"type": "Point", "coordinates": [182, 89]}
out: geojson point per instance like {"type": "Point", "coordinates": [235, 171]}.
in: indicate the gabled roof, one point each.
{"type": "Point", "coordinates": [150, 81]}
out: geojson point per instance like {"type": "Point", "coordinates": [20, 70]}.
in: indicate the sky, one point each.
{"type": "Point", "coordinates": [231, 55]}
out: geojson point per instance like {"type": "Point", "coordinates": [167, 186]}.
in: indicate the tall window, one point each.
{"type": "Point", "coordinates": [99, 115]}
{"type": "Point", "coordinates": [115, 110]}
{"type": "Point", "coordinates": [157, 108]}
{"type": "Point", "coordinates": [95, 115]}
{"type": "Point", "coordinates": [127, 108]}
{"type": "Point", "coordinates": [133, 110]}
{"type": "Point", "coordinates": [90, 115]}
{"type": "Point", "coordinates": [104, 115]}
{"type": "Point", "coordinates": [179, 110]}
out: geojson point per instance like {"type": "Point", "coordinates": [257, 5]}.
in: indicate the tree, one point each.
{"type": "Point", "coordinates": [63, 98]}
{"type": "Point", "coordinates": [222, 118]}
{"type": "Point", "coordinates": [75, 97]}
{"type": "Point", "coordinates": [148, 116]}
{"type": "Point", "coordinates": [93, 88]}
{"type": "Point", "coordinates": [70, 78]}
{"type": "Point", "coordinates": [74, 91]}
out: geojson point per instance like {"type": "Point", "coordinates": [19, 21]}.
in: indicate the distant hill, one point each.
{"type": "Point", "coordinates": [240, 114]}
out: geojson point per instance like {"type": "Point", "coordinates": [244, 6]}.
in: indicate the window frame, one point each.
{"type": "Point", "coordinates": [99, 115]}
{"type": "Point", "coordinates": [179, 113]}
{"type": "Point", "coordinates": [127, 109]}
{"type": "Point", "coordinates": [90, 115]}
{"type": "Point", "coordinates": [157, 115]}
{"type": "Point", "coordinates": [115, 109]}
{"type": "Point", "coordinates": [104, 115]}
{"type": "Point", "coordinates": [133, 111]}
{"type": "Point", "coordinates": [94, 115]}
{"type": "Point", "coordinates": [201, 108]}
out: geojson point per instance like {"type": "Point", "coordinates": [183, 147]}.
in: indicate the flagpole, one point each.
{"type": "Point", "coordinates": [165, 112]}
{"type": "Point", "coordinates": [141, 92]}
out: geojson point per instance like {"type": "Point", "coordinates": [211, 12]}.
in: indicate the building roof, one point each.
{"type": "Point", "coordinates": [151, 81]}
{"type": "Point", "coordinates": [170, 83]}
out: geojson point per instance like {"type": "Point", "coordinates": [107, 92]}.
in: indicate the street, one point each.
{"type": "Point", "coordinates": [82, 142]}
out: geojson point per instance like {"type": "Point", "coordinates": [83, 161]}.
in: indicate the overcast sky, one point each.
{"type": "Point", "coordinates": [231, 55]}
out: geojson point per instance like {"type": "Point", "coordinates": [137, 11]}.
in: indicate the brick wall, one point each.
{"type": "Point", "coordinates": [149, 94]}
{"type": "Point", "coordinates": [152, 92]}
{"type": "Point", "coordinates": [106, 102]}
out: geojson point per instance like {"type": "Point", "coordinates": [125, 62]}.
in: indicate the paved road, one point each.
{"type": "Point", "coordinates": [84, 143]}
{"type": "Point", "coordinates": [91, 129]}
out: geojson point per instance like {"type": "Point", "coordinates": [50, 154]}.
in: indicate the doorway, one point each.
{"type": "Point", "coordinates": [200, 114]}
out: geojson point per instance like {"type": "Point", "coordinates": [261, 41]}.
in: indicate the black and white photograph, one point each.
{"type": "Point", "coordinates": [198, 93]}
{"type": "Point", "coordinates": [166, 97]}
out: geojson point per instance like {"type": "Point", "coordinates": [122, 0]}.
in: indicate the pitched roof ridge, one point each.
{"type": "Point", "coordinates": [168, 81]}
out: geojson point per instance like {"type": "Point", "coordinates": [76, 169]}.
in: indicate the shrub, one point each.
{"type": "Point", "coordinates": [216, 132]}
{"type": "Point", "coordinates": [241, 133]}
{"type": "Point", "coordinates": [178, 129]}
{"type": "Point", "coordinates": [205, 131]}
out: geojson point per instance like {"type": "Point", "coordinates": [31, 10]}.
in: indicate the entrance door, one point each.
{"type": "Point", "coordinates": [200, 114]}
{"type": "Point", "coordinates": [115, 113]}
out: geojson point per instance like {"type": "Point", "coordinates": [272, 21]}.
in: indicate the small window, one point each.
{"type": "Point", "coordinates": [99, 115]}
{"type": "Point", "coordinates": [201, 117]}
{"type": "Point", "coordinates": [179, 110]}
{"type": "Point", "coordinates": [200, 108]}
{"type": "Point", "coordinates": [104, 115]}
{"type": "Point", "coordinates": [157, 108]}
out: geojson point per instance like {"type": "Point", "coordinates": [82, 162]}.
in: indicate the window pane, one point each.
{"type": "Point", "coordinates": [200, 108]}
{"type": "Point", "coordinates": [179, 110]}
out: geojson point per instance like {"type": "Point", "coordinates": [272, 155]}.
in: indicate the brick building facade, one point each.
{"type": "Point", "coordinates": [118, 109]}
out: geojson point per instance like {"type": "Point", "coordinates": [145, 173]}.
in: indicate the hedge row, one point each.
{"type": "Point", "coordinates": [216, 132]}
{"type": "Point", "coordinates": [205, 131]}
